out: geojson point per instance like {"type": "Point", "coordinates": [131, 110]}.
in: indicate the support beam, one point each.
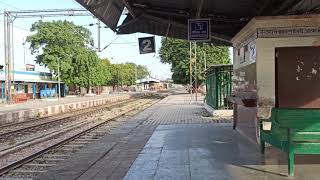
{"type": "Point", "coordinates": [193, 72]}
{"type": "Point", "coordinates": [285, 6]}
{"type": "Point", "coordinates": [128, 6]}
{"type": "Point", "coordinates": [199, 9]}
{"type": "Point", "coordinates": [34, 90]}
{"type": "Point", "coordinates": [2, 90]}
{"type": "Point", "coordinates": [165, 21]}
{"type": "Point", "coordinates": [262, 6]}
{"type": "Point", "coordinates": [97, 5]}
{"type": "Point", "coordinates": [166, 13]}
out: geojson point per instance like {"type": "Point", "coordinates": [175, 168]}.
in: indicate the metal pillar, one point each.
{"type": "Point", "coordinates": [5, 52]}
{"type": "Point", "coordinates": [99, 32]}
{"type": "Point", "coordinates": [12, 49]}
{"type": "Point", "coordinates": [34, 89]}
{"type": "Point", "coordinates": [9, 17]}
{"type": "Point", "coordinates": [136, 76]}
{"type": "Point", "coordinates": [8, 43]}
{"type": "Point", "coordinates": [193, 70]}
{"type": "Point", "coordinates": [59, 85]}
{"type": "Point", "coordinates": [2, 90]}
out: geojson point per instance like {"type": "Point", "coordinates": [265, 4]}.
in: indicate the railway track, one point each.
{"type": "Point", "coordinates": [11, 129]}
{"type": "Point", "coordinates": [27, 135]}
{"type": "Point", "coordinates": [31, 165]}
{"type": "Point", "coordinates": [32, 133]}
{"type": "Point", "coordinates": [19, 134]}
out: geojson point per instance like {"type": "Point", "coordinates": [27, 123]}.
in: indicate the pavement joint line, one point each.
{"type": "Point", "coordinates": [121, 112]}
{"type": "Point", "coordinates": [112, 147]}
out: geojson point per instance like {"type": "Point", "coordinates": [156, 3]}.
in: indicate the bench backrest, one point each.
{"type": "Point", "coordinates": [297, 119]}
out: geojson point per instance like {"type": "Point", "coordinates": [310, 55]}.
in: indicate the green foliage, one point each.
{"type": "Point", "coordinates": [103, 72]}
{"type": "Point", "coordinates": [142, 72]}
{"type": "Point", "coordinates": [125, 74]}
{"type": "Point", "coordinates": [68, 45]}
{"type": "Point", "coordinates": [176, 53]}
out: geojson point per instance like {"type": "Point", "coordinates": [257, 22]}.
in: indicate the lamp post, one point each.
{"type": "Point", "coordinates": [59, 88]}
{"type": "Point", "coordinates": [24, 51]}
{"type": "Point", "coordinates": [136, 76]}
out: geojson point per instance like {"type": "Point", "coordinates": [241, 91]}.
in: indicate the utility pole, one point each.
{"type": "Point", "coordinates": [5, 55]}
{"type": "Point", "coordinates": [9, 17]}
{"type": "Point", "coordinates": [99, 31]}
{"type": "Point", "coordinates": [59, 85]}
{"type": "Point", "coordinates": [12, 51]}
{"type": "Point", "coordinates": [190, 70]}
{"type": "Point", "coordinates": [196, 72]}
{"type": "Point", "coordinates": [205, 70]}
{"type": "Point", "coordinates": [8, 43]}
{"type": "Point", "coordinates": [193, 70]}
{"type": "Point", "coordinates": [136, 76]}
{"type": "Point", "coordinates": [205, 61]}
{"type": "Point", "coordinates": [24, 51]}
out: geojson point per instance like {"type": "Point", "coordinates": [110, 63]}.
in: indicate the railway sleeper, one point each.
{"type": "Point", "coordinates": [39, 165]}
{"type": "Point", "coordinates": [74, 145]}
{"type": "Point", "coordinates": [27, 171]}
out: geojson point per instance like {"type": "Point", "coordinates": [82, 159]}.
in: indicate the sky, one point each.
{"type": "Point", "coordinates": [124, 48]}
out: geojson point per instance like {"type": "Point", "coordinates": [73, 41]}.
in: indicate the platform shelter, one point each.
{"type": "Point", "coordinates": [276, 64]}
{"type": "Point", "coordinates": [275, 45]}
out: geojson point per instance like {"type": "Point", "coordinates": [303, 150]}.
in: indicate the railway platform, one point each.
{"type": "Point", "coordinates": [43, 108]}
{"type": "Point", "coordinates": [174, 139]}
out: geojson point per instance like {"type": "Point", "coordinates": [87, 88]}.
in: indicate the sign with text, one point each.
{"type": "Point", "coordinates": [147, 45]}
{"type": "Point", "coordinates": [30, 67]}
{"type": "Point", "coordinates": [199, 30]}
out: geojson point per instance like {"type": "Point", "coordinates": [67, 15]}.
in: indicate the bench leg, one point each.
{"type": "Point", "coordinates": [262, 146]}
{"type": "Point", "coordinates": [291, 162]}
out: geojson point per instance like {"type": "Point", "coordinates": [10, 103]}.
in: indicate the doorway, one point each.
{"type": "Point", "coordinates": [297, 77]}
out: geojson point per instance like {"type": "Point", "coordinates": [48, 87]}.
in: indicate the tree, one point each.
{"type": "Point", "coordinates": [176, 53]}
{"type": "Point", "coordinates": [142, 72]}
{"type": "Point", "coordinates": [64, 44]}
{"type": "Point", "coordinates": [124, 74]}
{"type": "Point", "coordinates": [67, 44]}
{"type": "Point", "coordinates": [114, 71]}
{"type": "Point", "coordinates": [103, 71]}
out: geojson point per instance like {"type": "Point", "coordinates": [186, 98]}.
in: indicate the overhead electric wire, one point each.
{"type": "Point", "coordinates": [109, 43]}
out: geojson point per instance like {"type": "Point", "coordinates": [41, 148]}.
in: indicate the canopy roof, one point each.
{"type": "Point", "coordinates": [169, 17]}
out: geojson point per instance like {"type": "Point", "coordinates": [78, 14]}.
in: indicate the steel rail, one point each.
{"type": "Point", "coordinates": [69, 115]}
{"type": "Point", "coordinates": [28, 159]}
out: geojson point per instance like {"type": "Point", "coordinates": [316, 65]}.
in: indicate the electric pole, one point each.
{"type": "Point", "coordinates": [193, 70]}
{"type": "Point", "coordinates": [59, 84]}
{"type": "Point", "coordinates": [8, 43]}
{"type": "Point", "coordinates": [9, 17]}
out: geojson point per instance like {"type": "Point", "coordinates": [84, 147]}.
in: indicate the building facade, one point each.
{"type": "Point", "coordinates": [31, 85]}
{"type": "Point", "coordinates": [276, 64]}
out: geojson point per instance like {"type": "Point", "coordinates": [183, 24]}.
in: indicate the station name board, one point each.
{"type": "Point", "coordinates": [199, 30]}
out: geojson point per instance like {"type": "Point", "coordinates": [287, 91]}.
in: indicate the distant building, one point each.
{"type": "Point", "coordinates": [151, 84]}
{"type": "Point", "coordinates": [31, 84]}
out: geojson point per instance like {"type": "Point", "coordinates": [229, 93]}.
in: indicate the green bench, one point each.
{"type": "Point", "coordinates": [294, 131]}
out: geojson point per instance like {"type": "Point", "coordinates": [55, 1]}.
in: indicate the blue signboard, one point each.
{"type": "Point", "coordinates": [199, 30]}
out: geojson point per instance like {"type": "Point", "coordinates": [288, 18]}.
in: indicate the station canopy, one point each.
{"type": "Point", "coordinates": [170, 17]}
